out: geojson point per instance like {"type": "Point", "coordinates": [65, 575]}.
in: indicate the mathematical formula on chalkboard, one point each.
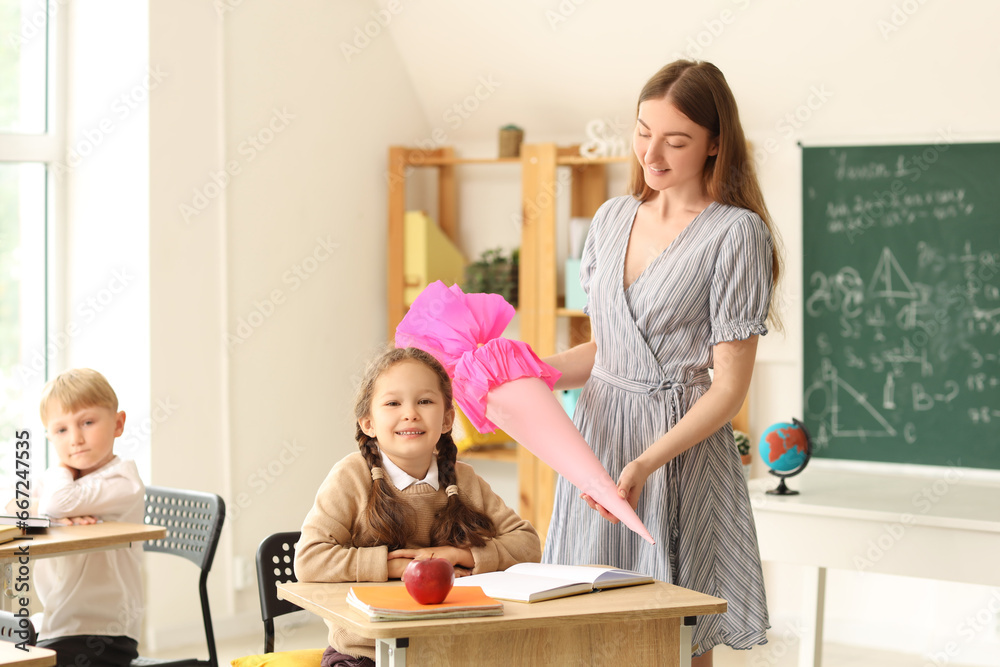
{"type": "Point", "coordinates": [901, 288]}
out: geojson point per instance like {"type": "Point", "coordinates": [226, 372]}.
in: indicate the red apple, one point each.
{"type": "Point", "coordinates": [428, 580]}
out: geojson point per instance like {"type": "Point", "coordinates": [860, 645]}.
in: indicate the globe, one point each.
{"type": "Point", "coordinates": [785, 448]}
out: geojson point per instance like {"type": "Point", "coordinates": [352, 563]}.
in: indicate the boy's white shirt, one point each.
{"type": "Point", "coordinates": [99, 593]}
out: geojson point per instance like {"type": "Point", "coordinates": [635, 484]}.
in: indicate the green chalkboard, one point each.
{"type": "Point", "coordinates": [901, 290]}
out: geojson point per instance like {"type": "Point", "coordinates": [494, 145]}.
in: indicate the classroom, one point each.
{"type": "Point", "coordinates": [211, 234]}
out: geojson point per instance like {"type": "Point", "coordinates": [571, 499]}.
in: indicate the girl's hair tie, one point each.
{"type": "Point", "coordinates": [451, 490]}
{"type": "Point", "coordinates": [377, 473]}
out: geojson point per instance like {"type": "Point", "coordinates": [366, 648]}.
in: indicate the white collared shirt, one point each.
{"type": "Point", "coordinates": [402, 479]}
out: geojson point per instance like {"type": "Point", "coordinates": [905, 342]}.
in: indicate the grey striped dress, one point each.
{"type": "Point", "coordinates": [654, 348]}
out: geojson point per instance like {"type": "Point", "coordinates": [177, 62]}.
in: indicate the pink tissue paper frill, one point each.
{"type": "Point", "coordinates": [462, 331]}
{"type": "Point", "coordinates": [497, 362]}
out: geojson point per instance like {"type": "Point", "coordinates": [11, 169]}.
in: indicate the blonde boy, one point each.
{"type": "Point", "coordinates": [93, 602]}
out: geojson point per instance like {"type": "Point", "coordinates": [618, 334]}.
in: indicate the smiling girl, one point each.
{"type": "Point", "coordinates": [403, 495]}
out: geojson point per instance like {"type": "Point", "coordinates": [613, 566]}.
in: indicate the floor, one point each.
{"type": "Point", "coordinates": [779, 652]}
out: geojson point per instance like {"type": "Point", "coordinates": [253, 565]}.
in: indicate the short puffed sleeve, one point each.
{"type": "Point", "coordinates": [742, 282]}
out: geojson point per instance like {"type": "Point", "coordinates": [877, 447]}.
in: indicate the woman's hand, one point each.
{"type": "Point", "coordinates": [630, 484]}
{"type": "Point", "coordinates": [599, 508]}
{"type": "Point", "coordinates": [454, 555]}
{"type": "Point", "coordinates": [631, 481]}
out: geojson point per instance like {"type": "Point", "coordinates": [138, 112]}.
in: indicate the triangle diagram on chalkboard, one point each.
{"type": "Point", "coordinates": [876, 427]}
{"type": "Point", "coordinates": [890, 280]}
{"type": "Point", "coordinates": [840, 395]}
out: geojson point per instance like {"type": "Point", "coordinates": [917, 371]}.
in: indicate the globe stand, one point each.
{"type": "Point", "coordinates": [782, 489]}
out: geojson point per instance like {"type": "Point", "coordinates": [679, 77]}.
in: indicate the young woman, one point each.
{"type": "Point", "coordinates": [680, 277]}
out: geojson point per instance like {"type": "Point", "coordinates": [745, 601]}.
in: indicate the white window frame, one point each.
{"type": "Point", "coordinates": [49, 149]}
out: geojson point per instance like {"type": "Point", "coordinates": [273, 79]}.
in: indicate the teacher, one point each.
{"type": "Point", "coordinates": [679, 278]}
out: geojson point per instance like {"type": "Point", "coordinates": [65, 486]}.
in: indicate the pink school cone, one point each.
{"type": "Point", "coordinates": [529, 413]}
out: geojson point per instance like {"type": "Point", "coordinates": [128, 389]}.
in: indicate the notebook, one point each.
{"type": "Point", "coordinates": [30, 522]}
{"type": "Point", "coordinates": [393, 603]}
{"type": "Point", "coordinates": [534, 582]}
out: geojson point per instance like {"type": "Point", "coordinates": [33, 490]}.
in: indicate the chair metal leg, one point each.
{"type": "Point", "coordinates": [206, 613]}
{"type": "Point", "coordinates": [269, 636]}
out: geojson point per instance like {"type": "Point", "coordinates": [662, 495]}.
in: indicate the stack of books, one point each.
{"type": "Point", "coordinates": [41, 522]}
{"type": "Point", "coordinates": [393, 603]}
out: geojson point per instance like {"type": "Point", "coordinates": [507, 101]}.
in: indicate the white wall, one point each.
{"type": "Point", "coordinates": [102, 318]}
{"type": "Point", "coordinates": [268, 292]}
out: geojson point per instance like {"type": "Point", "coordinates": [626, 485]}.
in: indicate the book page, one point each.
{"type": "Point", "coordinates": [509, 585]}
{"type": "Point", "coordinates": [598, 577]}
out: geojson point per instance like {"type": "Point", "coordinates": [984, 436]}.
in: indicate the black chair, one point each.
{"type": "Point", "coordinates": [193, 521]}
{"type": "Point", "coordinates": [10, 629]}
{"type": "Point", "coordinates": [275, 561]}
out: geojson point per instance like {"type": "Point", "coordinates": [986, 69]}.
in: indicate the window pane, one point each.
{"type": "Point", "coordinates": [22, 311]}
{"type": "Point", "coordinates": [23, 58]}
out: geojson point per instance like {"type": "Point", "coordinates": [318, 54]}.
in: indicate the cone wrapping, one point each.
{"type": "Point", "coordinates": [527, 411]}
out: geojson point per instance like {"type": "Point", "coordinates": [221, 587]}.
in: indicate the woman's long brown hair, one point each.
{"type": "Point", "coordinates": [387, 519]}
{"type": "Point", "coordinates": [700, 92]}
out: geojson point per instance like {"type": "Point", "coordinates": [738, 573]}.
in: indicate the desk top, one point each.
{"type": "Point", "coordinates": [945, 500]}
{"type": "Point", "coordinates": [58, 540]}
{"type": "Point", "coordinates": [647, 601]}
{"type": "Point", "coordinates": [33, 657]}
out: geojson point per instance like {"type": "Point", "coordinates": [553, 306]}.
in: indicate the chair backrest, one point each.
{"type": "Point", "coordinates": [275, 564]}
{"type": "Point", "coordinates": [11, 628]}
{"type": "Point", "coordinates": [193, 521]}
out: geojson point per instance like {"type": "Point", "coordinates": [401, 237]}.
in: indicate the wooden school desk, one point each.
{"type": "Point", "coordinates": [637, 625]}
{"type": "Point", "coordinates": [64, 540]}
{"type": "Point", "coordinates": [71, 540]}
{"type": "Point", "coordinates": [33, 657]}
{"type": "Point", "coordinates": [939, 526]}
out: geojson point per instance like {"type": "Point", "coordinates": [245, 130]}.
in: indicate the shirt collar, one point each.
{"type": "Point", "coordinates": [402, 479]}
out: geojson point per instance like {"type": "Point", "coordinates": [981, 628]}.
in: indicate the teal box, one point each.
{"type": "Point", "coordinates": [576, 298]}
{"type": "Point", "coordinates": [569, 399]}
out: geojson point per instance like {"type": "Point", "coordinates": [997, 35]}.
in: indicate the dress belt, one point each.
{"type": "Point", "coordinates": [648, 388]}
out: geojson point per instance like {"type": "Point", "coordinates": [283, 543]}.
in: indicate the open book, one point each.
{"type": "Point", "coordinates": [393, 603]}
{"type": "Point", "coordinates": [533, 582]}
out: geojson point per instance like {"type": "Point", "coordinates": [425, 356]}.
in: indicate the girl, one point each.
{"type": "Point", "coordinates": [680, 278]}
{"type": "Point", "coordinates": [404, 496]}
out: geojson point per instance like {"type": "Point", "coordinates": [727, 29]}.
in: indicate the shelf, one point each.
{"type": "Point", "coordinates": [495, 453]}
{"type": "Point", "coordinates": [570, 312]}
{"type": "Point", "coordinates": [449, 161]}
{"type": "Point", "coordinates": [564, 160]}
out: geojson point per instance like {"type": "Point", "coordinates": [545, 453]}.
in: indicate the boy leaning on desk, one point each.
{"type": "Point", "coordinates": [93, 602]}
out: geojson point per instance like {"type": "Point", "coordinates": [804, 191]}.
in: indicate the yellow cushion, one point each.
{"type": "Point", "coordinates": [304, 658]}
